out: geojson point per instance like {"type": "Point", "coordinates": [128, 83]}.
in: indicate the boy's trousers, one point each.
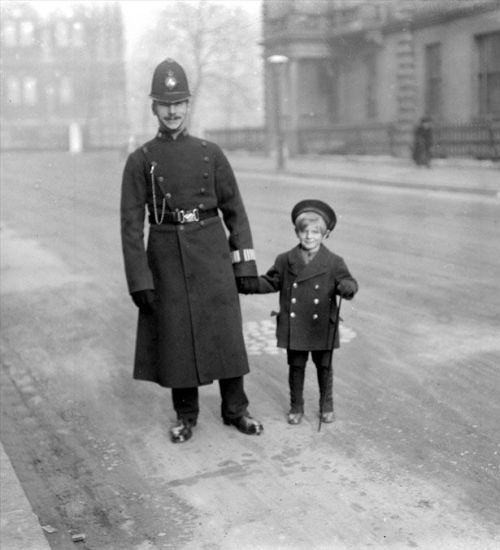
{"type": "Point", "coordinates": [297, 360]}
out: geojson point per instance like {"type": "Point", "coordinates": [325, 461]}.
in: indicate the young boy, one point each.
{"type": "Point", "coordinates": [308, 278]}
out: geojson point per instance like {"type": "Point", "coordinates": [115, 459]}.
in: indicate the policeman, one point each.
{"type": "Point", "coordinates": [185, 282]}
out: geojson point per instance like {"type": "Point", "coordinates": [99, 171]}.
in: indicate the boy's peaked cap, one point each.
{"type": "Point", "coordinates": [320, 207]}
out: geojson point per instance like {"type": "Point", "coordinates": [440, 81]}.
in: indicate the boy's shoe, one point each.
{"type": "Point", "coordinates": [295, 418]}
{"type": "Point", "coordinates": [245, 424]}
{"type": "Point", "coordinates": [181, 431]}
{"type": "Point", "coordinates": [328, 417]}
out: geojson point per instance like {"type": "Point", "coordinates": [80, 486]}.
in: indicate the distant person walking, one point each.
{"type": "Point", "coordinates": [308, 277]}
{"type": "Point", "coordinates": [422, 142]}
{"type": "Point", "coordinates": [185, 282]}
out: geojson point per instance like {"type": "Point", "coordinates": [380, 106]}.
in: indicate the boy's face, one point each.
{"type": "Point", "coordinates": [311, 233]}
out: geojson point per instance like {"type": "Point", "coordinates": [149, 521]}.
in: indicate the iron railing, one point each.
{"type": "Point", "coordinates": [246, 139]}
{"type": "Point", "coordinates": [478, 139]}
{"type": "Point", "coordinates": [368, 139]}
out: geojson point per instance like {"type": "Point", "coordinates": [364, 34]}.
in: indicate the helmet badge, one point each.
{"type": "Point", "coordinates": [170, 81]}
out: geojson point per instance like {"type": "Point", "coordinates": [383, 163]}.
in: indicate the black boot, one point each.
{"type": "Point", "coordinates": [245, 424]}
{"type": "Point", "coordinates": [181, 431]}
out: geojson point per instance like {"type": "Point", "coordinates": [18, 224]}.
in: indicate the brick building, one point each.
{"type": "Point", "coordinates": [63, 77]}
{"type": "Point", "coordinates": [355, 76]}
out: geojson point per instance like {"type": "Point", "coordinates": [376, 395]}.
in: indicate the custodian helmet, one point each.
{"type": "Point", "coordinates": [169, 83]}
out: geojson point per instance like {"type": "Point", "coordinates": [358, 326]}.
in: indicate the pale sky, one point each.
{"type": "Point", "coordinates": [138, 15]}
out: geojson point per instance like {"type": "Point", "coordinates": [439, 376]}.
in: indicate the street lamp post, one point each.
{"type": "Point", "coordinates": [276, 61]}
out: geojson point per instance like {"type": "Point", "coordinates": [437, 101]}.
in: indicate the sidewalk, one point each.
{"type": "Point", "coordinates": [452, 175]}
{"type": "Point", "coordinates": [19, 527]}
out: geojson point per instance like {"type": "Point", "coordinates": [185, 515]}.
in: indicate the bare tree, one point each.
{"type": "Point", "coordinates": [218, 47]}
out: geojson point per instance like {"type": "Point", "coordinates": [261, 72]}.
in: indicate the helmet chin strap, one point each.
{"type": "Point", "coordinates": [171, 130]}
{"type": "Point", "coordinates": [173, 133]}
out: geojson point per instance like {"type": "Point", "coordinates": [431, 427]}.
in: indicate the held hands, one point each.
{"type": "Point", "coordinates": [247, 285]}
{"type": "Point", "coordinates": [347, 289]}
{"type": "Point", "coordinates": [144, 300]}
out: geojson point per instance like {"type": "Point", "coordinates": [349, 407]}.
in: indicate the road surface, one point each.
{"type": "Point", "coordinates": [413, 460]}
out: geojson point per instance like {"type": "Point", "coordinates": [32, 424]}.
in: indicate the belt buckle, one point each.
{"type": "Point", "coordinates": [189, 216]}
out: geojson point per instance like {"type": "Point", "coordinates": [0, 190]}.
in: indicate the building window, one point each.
{"type": "Point", "coordinates": [45, 41]}
{"type": "Point", "coordinates": [433, 79]}
{"type": "Point", "coordinates": [13, 91]}
{"type": "Point", "coordinates": [371, 82]}
{"type": "Point", "coordinates": [61, 34]}
{"type": "Point", "coordinates": [9, 34]}
{"type": "Point", "coordinates": [489, 74]}
{"type": "Point", "coordinates": [332, 70]}
{"type": "Point", "coordinates": [50, 99]}
{"type": "Point", "coordinates": [27, 33]}
{"type": "Point", "coordinates": [78, 35]}
{"type": "Point", "coordinates": [314, 92]}
{"type": "Point", "coordinates": [66, 92]}
{"type": "Point", "coordinates": [30, 92]}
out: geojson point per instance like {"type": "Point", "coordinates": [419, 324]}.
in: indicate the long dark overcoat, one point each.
{"type": "Point", "coordinates": [308, 305]}
{"type": "Point", "coordinates": [195, 334]}
{"type": "Point", "coordinates": [422, 145]}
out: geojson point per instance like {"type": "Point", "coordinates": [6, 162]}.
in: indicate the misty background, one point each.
{"type": "Point", "coordinates": [218, 45]}
{"type": "Point", "coordinates": [217, 42]}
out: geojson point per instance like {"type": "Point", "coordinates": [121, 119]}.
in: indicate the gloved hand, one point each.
{"type": "Point", "coordinates": [347, 289]}
{"type": "Point", "coordinates": [144, 300]}
{"type": "Point", "coordinates": [247, 285]}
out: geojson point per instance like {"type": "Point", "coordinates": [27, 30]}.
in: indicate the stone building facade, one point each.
{"type": "Point", "coordinates": [63, 77]}
{"type": "Point", "coordinates": [356, 76]}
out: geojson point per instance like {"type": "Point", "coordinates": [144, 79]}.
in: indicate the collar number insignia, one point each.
{"type": "Point", "coordinates": [170, 81]}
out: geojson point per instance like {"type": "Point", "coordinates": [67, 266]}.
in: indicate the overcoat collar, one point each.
{"type": "Point", "coordinates": [317, 266]}
{"type": "Point", "coordinates": [166, 136]}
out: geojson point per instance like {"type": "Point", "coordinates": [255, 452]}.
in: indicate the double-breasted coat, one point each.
{"type": "Point", "coordinates": [308, 305]}
{"type": "Point", "coordinates": [195, 334]}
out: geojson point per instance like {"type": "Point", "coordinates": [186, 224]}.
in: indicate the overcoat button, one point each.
{"type": "Point", "coordinates": [295, 285]}
{"type": "Point", "coordinates": [316, 301]}
{"type": "Point", "coordinates": [202, 190]}
{"type": "Point", "coordinates": [315, 316]}
{"type": "Point", "coordinates": [292, 315]}
{"type": "Point", "coordinates": [168, 195]}
{"type": "Point", "coordinates": [201, 205]}
{"type": "Point", "coordinates": [294, 300]}
{"type": "Point", "coordinates": [160, 178]}
{"type": "Point", "coordinates": [316, 287]}
{"type": "Point", "coordinates": [206, 159]}
{"type": "Point", "coordinates": [205, 175]}
{"type": "Point", "coordinates": [203, 143]}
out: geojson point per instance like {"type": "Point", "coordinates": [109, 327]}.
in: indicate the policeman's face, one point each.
{"type": "Point", "coordinates": [171, 116]}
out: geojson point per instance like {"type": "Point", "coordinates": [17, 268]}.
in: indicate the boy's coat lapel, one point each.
{"type": "Point", "coordinates": [300, 271]}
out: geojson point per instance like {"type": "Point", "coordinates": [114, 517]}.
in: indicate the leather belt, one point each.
{"type": "Point", "coordinates": [185, 216]}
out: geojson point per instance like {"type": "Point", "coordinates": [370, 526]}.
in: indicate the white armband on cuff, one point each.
{"type": "Point", "coordinates": [244, 255]}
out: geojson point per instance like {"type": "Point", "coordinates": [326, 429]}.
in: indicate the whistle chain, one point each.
{"type": "Point", "coordinates": [158, 221]}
